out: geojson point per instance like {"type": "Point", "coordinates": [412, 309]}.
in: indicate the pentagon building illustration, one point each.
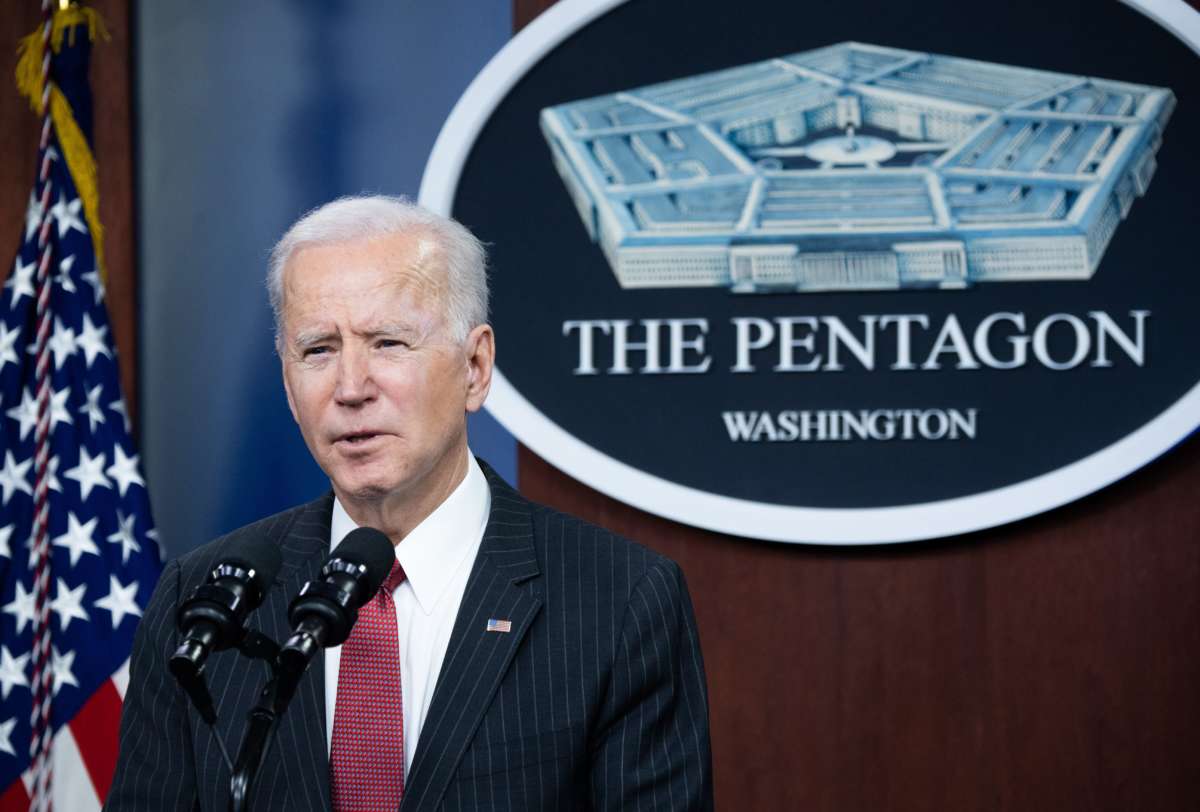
{"type": "Point", "coordinates": [858, 167]}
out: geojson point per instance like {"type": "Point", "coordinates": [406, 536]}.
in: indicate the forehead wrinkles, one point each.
{"type": "Point", "coordinates": [419, 275]}
{"type": "Point", "coordinates": [410, 265]}
{"type": "Point", "coordinates": [421, 268]}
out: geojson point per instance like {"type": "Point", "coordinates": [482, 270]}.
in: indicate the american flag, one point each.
{"type": "Point", "coordinates": [103, 557]}
{"type": "Point", "coordinates": [496, 625]}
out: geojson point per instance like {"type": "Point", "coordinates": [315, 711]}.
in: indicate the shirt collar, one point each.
{"type": "Point", "coordinates": [434, 550]}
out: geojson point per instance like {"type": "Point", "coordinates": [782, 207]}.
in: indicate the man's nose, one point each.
{"type": "Point", "coordinates": [355, 383]}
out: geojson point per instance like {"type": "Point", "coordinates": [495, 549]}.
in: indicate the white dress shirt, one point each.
{"type": "Point", "coordinates": [436, 556]}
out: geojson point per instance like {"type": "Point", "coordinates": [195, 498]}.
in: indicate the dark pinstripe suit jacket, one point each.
{"type": "Point", "coordinates": [595, 699]}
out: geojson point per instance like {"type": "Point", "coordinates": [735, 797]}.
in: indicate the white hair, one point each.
{"type": "Point", "coordinates": [365, 217]}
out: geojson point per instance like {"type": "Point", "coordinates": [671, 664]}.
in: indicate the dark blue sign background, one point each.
{"type": "Point", "coordinates": [1031, 420]}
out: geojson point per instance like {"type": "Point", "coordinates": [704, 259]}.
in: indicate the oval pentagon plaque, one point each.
{"type": "Point", "coordinates": [839, 273]}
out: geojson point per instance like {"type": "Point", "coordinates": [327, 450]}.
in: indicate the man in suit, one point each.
{"type": "Point", "coordinates": [523, 660]}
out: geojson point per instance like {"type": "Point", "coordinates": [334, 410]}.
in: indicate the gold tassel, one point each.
{"type": "Point", "coordinates": [75, 149]}
{"type": "Point", "coordinates": [29, 69]}
{"type": "Point", "coordinates": [66, 20]}
{"type": "Point", "coordinates": [29, 49]}
{"type": "Point", "coordinates": [82, 166]}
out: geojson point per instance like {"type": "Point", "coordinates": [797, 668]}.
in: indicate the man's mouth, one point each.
{"type": "Point", "coordinates": [357, 438]}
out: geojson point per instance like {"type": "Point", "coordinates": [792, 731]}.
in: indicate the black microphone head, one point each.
{"type": "Point", "coordinates": [256, 554]}
{"type": "Point", "coordinates": [369, 548]}
{"type": "Point", "coordinates": [326, 609]}
{"type": "Point", "coordinates": [213, 618]}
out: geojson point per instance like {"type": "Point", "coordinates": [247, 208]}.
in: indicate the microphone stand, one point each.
{"type": "Point", "coordinates": [322, 613]}
{"type": "Point", "coordinates": [253, 644]}
{"type": "Point", "coordinates": [260, 722]}
{"type": "Point", "coordinates": [288, 665]}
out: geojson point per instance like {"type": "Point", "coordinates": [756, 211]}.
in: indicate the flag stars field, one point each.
{"type": "Point", "coordinates": [62, 666]}
{"type": "Point", "coordinates": [78, 538]}
{"type": "Point", "coordinates": [6, 737]}
{"type": "Point", "coordinates": [125, 470]}
{"type": "Point", "coordinates": [68, 604]}
{"type": "Point", "coordinates": [62, 343]}
{"type": "Point", "coordinates": [25, 413]}
{"type": "Point", "coordinates": [95, 595]}
{"type": "Point", "coordinates": [58, 408]}
{"type": "Point", "coordinates": [92, 341]}
{"type": "Point", "coordinates": [12, 671]}
{"type": "Point", "coordinates": [52, 475]}
{"type": "Point", "coordinates": [118, 406]}
{"type": "Point", "coordinates": [21, 607]}
{"type": "Point", "coordinates": [120, 601]}
{"type": "Point", "coordinates": [66, 214]}
{"type": "Point", "coordinates": [95, 414]}
{"type": "Point", "coordinates": [13, 477]}
{"type": "Point", "coordinates": [33, 215]}
{"type": "Point", "coordinates": [125, 537]}
{"type": "Point", "coordinates": [89, 473]}
{"type": "Point", "coordinates": [63, 277]}
{"type": "Point", "coordinates": [8, 340]}
{"type": "Point", "coordinates": [21, 281]}
{"type": "Point", "coordinates": [93, 278]}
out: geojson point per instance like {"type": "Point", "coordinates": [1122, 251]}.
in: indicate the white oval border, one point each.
{"type": "Point", "coordinates": [740, 516]}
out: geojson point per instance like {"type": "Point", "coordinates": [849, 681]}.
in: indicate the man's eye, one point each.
{"type": "Point", "coordinates": [313, 352]}
{"type": "Point", "coordinates": [389, 343]}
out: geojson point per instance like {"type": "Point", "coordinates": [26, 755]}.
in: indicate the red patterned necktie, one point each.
{"type": "Point", "coordinates": [367, 755]}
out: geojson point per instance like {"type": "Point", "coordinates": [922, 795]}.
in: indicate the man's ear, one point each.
{"type": "Point", "coordinates": [481, 357]}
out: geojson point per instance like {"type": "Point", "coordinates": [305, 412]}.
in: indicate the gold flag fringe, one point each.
{"type": "Point", "coordinates": [75, 149]}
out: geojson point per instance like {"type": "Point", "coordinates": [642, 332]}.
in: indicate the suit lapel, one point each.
{"type": "Point", "coordinates": [300, 735]}
{"type": "Point", "coordinates": [476, 658]}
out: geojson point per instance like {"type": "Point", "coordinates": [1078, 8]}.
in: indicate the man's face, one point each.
{"type": "Point", "coordinates": [377, 383]}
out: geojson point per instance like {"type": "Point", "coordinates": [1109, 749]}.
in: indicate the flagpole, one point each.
{"type": "Point", "coordinates": [42, 736]}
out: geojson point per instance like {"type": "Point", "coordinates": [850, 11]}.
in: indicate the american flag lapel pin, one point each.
{"type": "Point", "coordinates": [497, 625]}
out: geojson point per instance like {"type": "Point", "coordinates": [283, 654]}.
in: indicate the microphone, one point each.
{"type": "Point", "coordinates": [212, 619]}
{"type": "Point", "coordinates": [325, 610]}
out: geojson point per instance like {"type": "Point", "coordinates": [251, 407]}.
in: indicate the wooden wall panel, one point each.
{"type": "Point", "coordinates": [18, 134]}
{"type": "Point", "coordinates": [112, 85]}
{"type": "Point", "coordinates": [1049, 664]}
{"type": "Point", "coordinates": [113, 135]}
